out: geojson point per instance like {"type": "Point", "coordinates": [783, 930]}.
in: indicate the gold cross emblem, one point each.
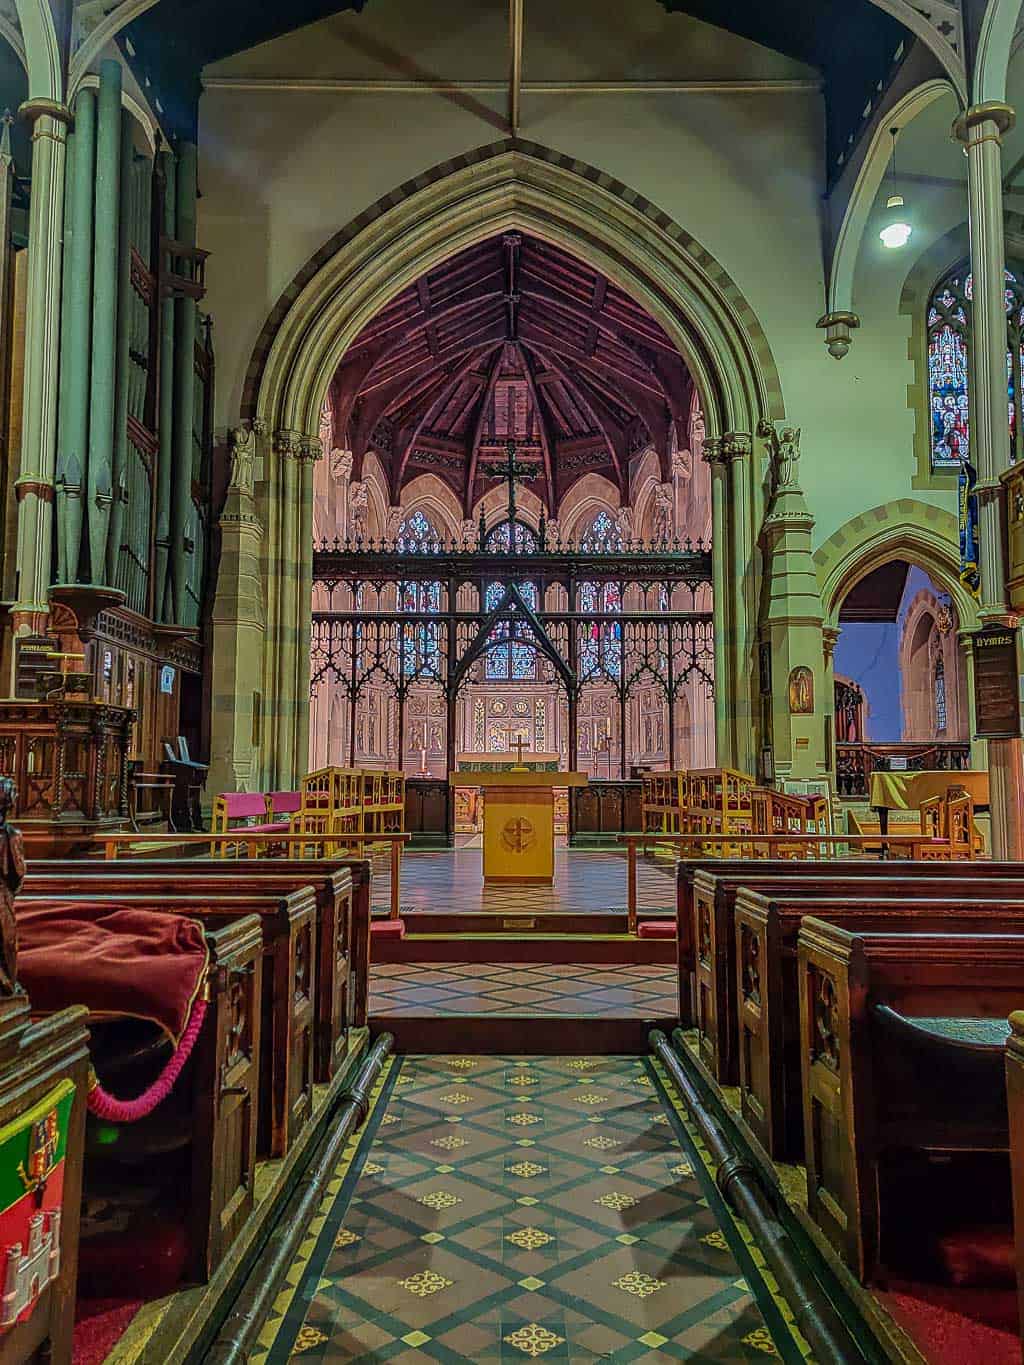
{"type": "Point", "coordinates": [518, 835]}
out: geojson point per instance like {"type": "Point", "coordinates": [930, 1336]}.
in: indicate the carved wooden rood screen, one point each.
{"type": "Point", "coordinates": [431, 613]}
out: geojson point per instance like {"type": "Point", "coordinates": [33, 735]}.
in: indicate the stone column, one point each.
{"type": "Point", "coordinates": [103, 351]}
{"type": "Point", "coordinates": [34, 488]}
{"type": "Point", "coordinates": [981, 129]}
{"type": "Point", "coordinates": [237, 626]}
{"type": "Point", "coordinates": [725, 740]}
{"type": "Point", "coordinates": [309, 453]}
{"type": "Point", "coordinates": [736, 448]}
{"type": "Point", "coordinates": [76, 330]}
{"type": "Point", "coordinates": [792, 626]}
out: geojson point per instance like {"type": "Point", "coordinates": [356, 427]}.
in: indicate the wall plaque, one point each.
{"type": "Point", "coordinates": [996, 685]}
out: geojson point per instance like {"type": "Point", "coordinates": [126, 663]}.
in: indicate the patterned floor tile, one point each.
{"type": "Point", "coordinates": [588, 990]}
{"type": "Point", "coordinates": [492, 1220]}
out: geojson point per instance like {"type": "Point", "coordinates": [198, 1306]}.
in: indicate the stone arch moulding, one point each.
{"type": "Point", "coordinates": [906, 529]}
{"type": "Point", "coordinates": [509, 185]}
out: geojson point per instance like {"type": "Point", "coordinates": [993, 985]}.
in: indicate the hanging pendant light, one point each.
{"type": "Point", "coordinates": [896, 230]}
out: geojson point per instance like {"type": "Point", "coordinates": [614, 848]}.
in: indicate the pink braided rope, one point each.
{"type": "Point", "coordinates": [106, 1106]}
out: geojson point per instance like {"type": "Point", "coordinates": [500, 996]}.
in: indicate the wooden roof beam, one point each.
{"type": "Point", "coordinates": [547, 444]}
{"type": "Point", "coordinates": [478, 427]}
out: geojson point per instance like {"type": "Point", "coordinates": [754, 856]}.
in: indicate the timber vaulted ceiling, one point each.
{"type": "Point", "coordinates": [510, 340]}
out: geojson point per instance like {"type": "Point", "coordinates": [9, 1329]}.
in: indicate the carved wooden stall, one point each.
{"type": "Point", "coordinates": [69, 761]}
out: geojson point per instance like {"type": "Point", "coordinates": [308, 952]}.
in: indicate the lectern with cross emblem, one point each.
{"type": "Point", "coordinates": [519, 816]}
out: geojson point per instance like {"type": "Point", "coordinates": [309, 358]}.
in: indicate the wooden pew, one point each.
{"type": "Point", "coordinates": [1015, 1106]}
{"type": "Point", "coordinates": [333, 891]}
{"type": "Point", "coordinates": [288, 925]}
{"type": "Point", "coordinates": [712, 895]}
{"type": "Point", "coordinates": [36, 1058]}
{"type": "Point", "coordinates": [874, 1079]}
{"type": "Point", "coordinates": [303, 869]}
{"type": "Point", "coordinates": [767, 925]}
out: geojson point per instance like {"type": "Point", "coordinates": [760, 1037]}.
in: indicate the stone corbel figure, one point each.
{"type": "Point", "coordinates": [358, 509]}
{"type": "Point", "coordinates": [682, 465]}
{"type": "Point", "coordinates": [242, 445]}
{"type": "Point", "coordinates": [784, 447]}
{"type": "Point", "coordinates": [12, 874]}
{"type": "Point", "coordinates": [625, 519]}
{"type": "Point", "coordinates": [341, 464]}
{"type": "Point", "coordinates": [395, 517]}
{"type": "Point", "coordinates": [664, 512]}
{"type": "Point", "coordinates": [467, 533]}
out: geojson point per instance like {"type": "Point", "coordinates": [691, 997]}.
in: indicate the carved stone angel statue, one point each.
{"type": "Point", "coordinates": [12, 874]}
{"type": "Point", "coordinates": [787, 457]}
{"type": "Point", "coordinates": [358, 504]}
{"type": "Point", "coordinates": [242, 444]}
{"type": "Point", "coordinates": [664, 512]}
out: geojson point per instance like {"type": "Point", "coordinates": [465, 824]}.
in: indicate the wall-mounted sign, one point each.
{"type": "Point", "coordinates": [996, 684]}
{"type": "Point", "coordinates": [167, 679]}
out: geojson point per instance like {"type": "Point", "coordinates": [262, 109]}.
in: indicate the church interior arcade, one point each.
{"type": "Point", "coordinates": [511, 754]}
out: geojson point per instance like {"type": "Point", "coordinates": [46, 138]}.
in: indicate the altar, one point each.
{"type": "Point", "coordinates": [518, 812]}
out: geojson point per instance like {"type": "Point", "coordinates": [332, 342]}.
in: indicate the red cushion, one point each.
{"type": "Point", "coordinates": [979, 1257]}
{"type": "Point", "coordinates": [656, 928]}
{"type": "Point", "coordinates": [388, 928]}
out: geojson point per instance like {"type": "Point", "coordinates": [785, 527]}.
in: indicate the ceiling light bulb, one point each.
{"type": "Point", "coordinates": [896, 232]}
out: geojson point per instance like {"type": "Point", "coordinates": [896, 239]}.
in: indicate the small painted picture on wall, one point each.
{"type": "Point", "coordinates": [801, 692]}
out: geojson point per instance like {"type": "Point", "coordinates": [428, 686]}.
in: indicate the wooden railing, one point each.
{"type": "Point", "coordinates": [759, 845]}
{"type": "Point", "coordinates": [238, 844]}
{"type": "Point", "coordinates": [856, 762]}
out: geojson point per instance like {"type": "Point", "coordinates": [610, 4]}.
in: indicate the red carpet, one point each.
{"type": "Point", "coordinates": [956, 1326]}
{"type": "Point", "coordinates": [99, 1325]}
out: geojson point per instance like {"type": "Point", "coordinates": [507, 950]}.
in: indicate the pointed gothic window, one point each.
{"type": "Point", "coordinates": [949, 334]}
{"type": "Point", "coordinates": [421, 640]}
{"type": "Point", "coordinates": [940, 696]}
{"type": "Point", "coordinates": [600, 647]}
{"type": "Point", "coordinates": [512, 656]}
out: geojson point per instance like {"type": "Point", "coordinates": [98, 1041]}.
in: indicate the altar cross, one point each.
{"type": "Point", "coordinates": [519, 750]}
{"type": "Point", "coordinates": [513, 471]}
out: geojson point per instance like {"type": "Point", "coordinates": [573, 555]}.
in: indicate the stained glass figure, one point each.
{"type": "Point", "coordinates": [600, 648]}
{"type": "Point", "coordinates": [511, 655]}
{"type": "Point", "coordinates": [603, 536]}
{"type": "Point", "coordinates": [422, 641]}
{"type": "Point", "coordinates": [949, 332]}
{"type": "Point", "coordinates": [940, 695]}
{"type": "Point", "coordinates": [499, 539]}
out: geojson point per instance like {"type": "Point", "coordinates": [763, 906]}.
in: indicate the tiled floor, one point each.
{"type": "Point", "coordinates": [591, 990]}
{"type": "Point", "coordinates": [502, 1209]}
{"type": "Point", "coordinates": [585, 880]}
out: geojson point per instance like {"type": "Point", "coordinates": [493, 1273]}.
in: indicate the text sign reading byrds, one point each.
{"type": "Point", "coordinates": [996, 686]}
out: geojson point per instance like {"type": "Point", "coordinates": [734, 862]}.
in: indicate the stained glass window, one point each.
{"type": "Point", "coordinates": [940, 695]}
{"type": "Point", "coordinates": [949, 330]}
{"type": "Point", "coordinates": [422, 641]}
{"type": "Point", "coordinates": [499, 538]}
{"type": "Point", "coordinates": [602, 536]}
{"type": "Point", "coordinates": [600, 649]}
{"type": "Point", "coordinates": [511, 656]}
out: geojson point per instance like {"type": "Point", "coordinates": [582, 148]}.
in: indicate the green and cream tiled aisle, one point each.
{"type": "Point", "coordinates": [499, 1209]}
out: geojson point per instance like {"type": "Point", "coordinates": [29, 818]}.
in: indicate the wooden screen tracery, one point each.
{"type": "Point", "coordinates": [401, 616]}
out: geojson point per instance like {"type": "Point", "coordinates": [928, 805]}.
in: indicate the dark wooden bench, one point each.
{"type": "Point", "coordinates": [713, 900]}
{"type": "Point", "coordinates": [35, 1058]}
{"type": "Point", "coordinates": [305, 870]}
{"type": "Point", "coordinates": [333, 891]}
{"type": "Point", "coordinates": [741, 870]}
{"type": "Point", "coordinates": [288, 924]}
{"type": "Point", "coordinates": [1015, 1106]}
{"type": "Point", "coordinates": [767, 926]}
{"type": "Point", "coordinates": [891, 1061]}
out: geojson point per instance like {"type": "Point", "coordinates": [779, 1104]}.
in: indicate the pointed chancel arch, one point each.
{"type": "Point", "coordinates": [511, 186]}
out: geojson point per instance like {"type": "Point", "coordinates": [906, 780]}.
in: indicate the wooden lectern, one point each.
{"type": "Point", "coordinates": [519, 822]}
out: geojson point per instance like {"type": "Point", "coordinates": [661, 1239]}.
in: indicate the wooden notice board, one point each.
{"type": "Point", "coordinates": [996, 684]}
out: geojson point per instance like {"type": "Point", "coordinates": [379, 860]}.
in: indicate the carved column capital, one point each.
{"type": "Point", "coordinates": [829, 639]}
{"type": "Point", "coordinates": [992, 111]}
{"type": "Point", "coordinates": [287, 443]}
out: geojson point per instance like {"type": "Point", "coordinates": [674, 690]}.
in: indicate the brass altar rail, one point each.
{"type": "Point", "coordinates": [232, 844]}
{"type": "Point", "coordinates": [633, 841]}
